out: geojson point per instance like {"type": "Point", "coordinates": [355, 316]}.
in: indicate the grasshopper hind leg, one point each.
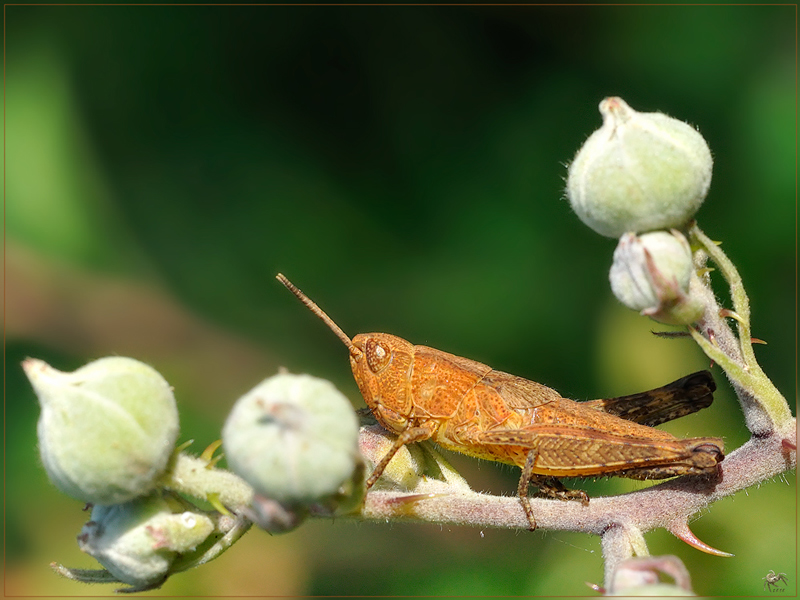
{"type": "Point", "coordinates": [549, 487]}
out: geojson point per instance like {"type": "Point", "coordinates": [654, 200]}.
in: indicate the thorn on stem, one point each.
{"type": "Point", "coordinates": [711, 338]}
{"type": "Point", "coordinates": [183, 447]}
{"type": "Point", "coordinates": [213, 499]}
{"type": "Point", "coordinates": [727, 313]}
{"type": "Point", "coordinates": [681, 531]}
{"type": "Point", "coordinates": [208, 453]}
{"type": "Point", "coordinates": [412, 499]}
{"type": "Point", "coordinates": [597, 588]}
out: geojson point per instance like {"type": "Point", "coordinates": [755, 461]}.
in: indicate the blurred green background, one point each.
{"type": "Point", "coordinates": [405, 167]}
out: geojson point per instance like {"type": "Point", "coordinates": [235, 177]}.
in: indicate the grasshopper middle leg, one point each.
{"type": "Point", "coordinates": [548, 486]}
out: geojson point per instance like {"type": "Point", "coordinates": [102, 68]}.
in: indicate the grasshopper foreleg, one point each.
{"type": "Point", "coordinates": [409, 436]}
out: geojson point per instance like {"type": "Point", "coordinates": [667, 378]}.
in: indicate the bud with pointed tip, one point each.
{"type": "Point", "coordinates": [651, 274]}
{"type": "Point", "coordinates": [639, 576]}
{"type": "Point", "coordinates": [107, 430]}
{"type": "Point", "coordinates": [638, 172]}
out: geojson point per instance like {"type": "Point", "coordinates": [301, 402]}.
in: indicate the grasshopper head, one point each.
{"type": "Point", "coordinates": [381, 366]}
{"type": "Point", "coordinates": [382, 370]}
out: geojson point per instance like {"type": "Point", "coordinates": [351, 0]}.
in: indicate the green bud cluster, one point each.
{"type": "Point", "coordinates": [642, 177]}
{"type": "Point", "coordinates": [107, 434]}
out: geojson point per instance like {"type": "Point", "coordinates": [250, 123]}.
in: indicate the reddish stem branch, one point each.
{"type": "Point", "coordinates": [667, 505]}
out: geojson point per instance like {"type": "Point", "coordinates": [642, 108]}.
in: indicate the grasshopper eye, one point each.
{"type": "Point", "coordinates": [378, 355]}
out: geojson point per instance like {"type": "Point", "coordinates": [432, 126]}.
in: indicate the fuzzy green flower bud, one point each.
{"type": "Point", "coordinates": [638, 172]}
{"type": "Point", "coordinates": [138, 541]}
{"type": "Point", "coordinates": [107, 430]}
{"type": "Point", "coordinates": [651, 274]}
{"type": "Point", "coordinates": [640, 577]}
{"type": "Point", "coordinates": [294, 438]}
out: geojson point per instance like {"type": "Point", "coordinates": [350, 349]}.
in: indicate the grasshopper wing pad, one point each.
{"type": "Point", "coordinates": [677, 399]}
{"type": "Point", "coordinates": [519, 393]}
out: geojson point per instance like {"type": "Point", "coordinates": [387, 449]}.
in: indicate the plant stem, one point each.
{"type": "Point", "coordinates": [764, 406]}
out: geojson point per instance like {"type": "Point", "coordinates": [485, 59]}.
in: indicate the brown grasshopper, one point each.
{"type": "Point", "coordinates": [421, 393]}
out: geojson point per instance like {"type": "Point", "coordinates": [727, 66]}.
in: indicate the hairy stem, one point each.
{"type": "Point", "coordinates": [764, 406]}
{"type": "Point", "coordinates": [667, 505]}
{"type": "Point", "coordinates": [196, 477]}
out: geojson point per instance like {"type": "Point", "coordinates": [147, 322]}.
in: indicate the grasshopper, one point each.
{"type": "Point", "coordinates": [420, 393]}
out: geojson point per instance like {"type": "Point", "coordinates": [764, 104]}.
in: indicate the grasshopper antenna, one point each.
{"type": "Point", "coordinates": [320, 313]}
